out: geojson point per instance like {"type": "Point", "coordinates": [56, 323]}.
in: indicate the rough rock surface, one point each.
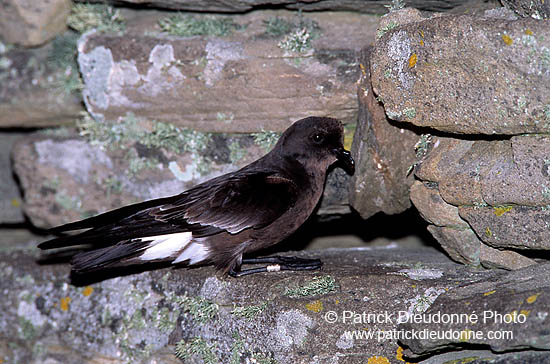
{"type": "Point", "coordinates": [495, 188]}
{"type": "Point", "coordinates": [384, 151]}
{"type": "Point", "coordinates": [526, 8]}
{"type": "Point", "coordinates": [66, 177]}
{"type": "Point", "coordinates": [240, 6]}
{"type": "Point", "coordinates": [38, 86]}
{"type": "Point", "coordinates": [143, 317]}
{"type": "Point", "coordinates": [490, 75]}
{"type": "Point", "coordinates": [186, 80]}
{"type": "Point", "coordinates": [10, 197]}
{"type": "Point", "coordinates": [505, 312]}
{"type": "Point", "coordinates": [32, 23]}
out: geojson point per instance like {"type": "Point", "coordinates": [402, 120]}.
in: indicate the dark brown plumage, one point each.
{"type": "Point", "coordinates": [218, 221]}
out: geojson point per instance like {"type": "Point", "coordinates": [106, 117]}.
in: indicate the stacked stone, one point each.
{"type": "Point", "coordinates": [477, 87]}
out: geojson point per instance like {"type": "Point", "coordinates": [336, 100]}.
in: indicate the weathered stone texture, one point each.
{"type": "Point", "coordinates": [187, 81]}
{"type": "Point", "coordinates": [383, 151]}
{"type": "Point", "coordinates": [465, 74]}
{"type": "Point", "coordinates": [34, 87]}
{"type": "Point", "coordinates": [32, 23]}
{"type": "Point", "coordinates": [139, 318]}
{"type": "Point", "coordinates": [528, 8]}
{"type": "Point", "coordinates": [523, 292]}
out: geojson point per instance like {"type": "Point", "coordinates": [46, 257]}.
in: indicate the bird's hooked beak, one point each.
{"type": "Point", "coordinates": [346, 161]}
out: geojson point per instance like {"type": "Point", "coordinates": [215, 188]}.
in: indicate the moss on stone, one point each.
{"type": "Point", "coordinates": [315, 287]}
{"type": "Point", "coordinates": [249, 312]}
{"type": "Point", "coordinates": [184, 25]}
{"type": "Point", "coordinates": [102, 17]}
{"type": "Point", "coordinates": [200, 308]}
{"type": "Point", "coordinates": [196, 346]}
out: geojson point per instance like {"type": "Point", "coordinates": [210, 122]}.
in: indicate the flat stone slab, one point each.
{"type": "Point", "coordinates": [241, 82]}
{"type": "Point", "coordinates": [290, 317]}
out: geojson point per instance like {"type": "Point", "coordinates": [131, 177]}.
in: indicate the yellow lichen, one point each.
{"type": "Point", "coordinates": [525, 312]}
{"type": "Point", "coordinates": [489, 293]}
{"type": "Point", "coordinates": [315, 306]}
{"type": "Point", "coordinates": [363, 69]}
{"type": "Point", "coordinates": [378, 360]}
{"type": "Point", "coordinates": [421, 42]}
{"type": "Point", "coordinates": [336, 301]}
{"type": "Point", "coordinates": [399, 355]}
{"type": "Point", "coordinates": [64, 304]}
{"type": "Point", "coordinates": [507, 40]}
{"type": "Point", "coordinates": [528, 31]}
{"type": "Point", "coordinates": [532, 298]}
{"type": "Point", "coordinates": [87, 291]}
{"type": "Point", "coordinates": [422, 33]}
{"type": "Point", "coordinates": [488, 232]}
{"type": "Point", "coordinates": [15, 202]}
{"type": "Point", "coordinates": [412, 60]}
{"type": "Point", "coordinates": [499, 211]}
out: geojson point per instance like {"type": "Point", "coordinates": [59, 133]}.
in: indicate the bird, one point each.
{"type": "Point", "coordinates": [219, 221]}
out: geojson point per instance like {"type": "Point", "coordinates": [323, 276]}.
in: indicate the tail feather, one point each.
{"type": "Point", "coordinates": [109, 217]}
{"type": "Point", "coordinates": [111, 256]}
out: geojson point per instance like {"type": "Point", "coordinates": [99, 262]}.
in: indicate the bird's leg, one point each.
{"type": "Point", "coordinates": [276, 263]}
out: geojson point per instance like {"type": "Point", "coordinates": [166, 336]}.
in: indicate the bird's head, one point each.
{"type": "Point", "coordinates": [317, 140]}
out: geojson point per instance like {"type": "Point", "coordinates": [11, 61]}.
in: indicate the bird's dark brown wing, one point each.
{"type": "Point", "coordinates": [231, 203]}
{"type": "Point", "coordinates": [236, 204]}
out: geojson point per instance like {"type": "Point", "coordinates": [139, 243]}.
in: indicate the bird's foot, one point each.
{"type": "Point", "coordinates": [276, 263]}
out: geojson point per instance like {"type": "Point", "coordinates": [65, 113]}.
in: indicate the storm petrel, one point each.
{"type": "Point", "coordinates": [222, 219]}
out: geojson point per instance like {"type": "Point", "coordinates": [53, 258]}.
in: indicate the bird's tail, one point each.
{"type": "Point", "coordinates": [111, 256]}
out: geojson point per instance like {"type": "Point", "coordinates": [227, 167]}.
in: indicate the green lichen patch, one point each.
{"type": "Point", "coordinates": [129, 132]}
{"type": "Point", "coordinates": [298, 41]}
{"type": "Point", "coordinates": [62, 60]}
{"type": "Point", "coordinates": [200, 308]}
{"type": "Point", "coordinates": [380, 32]}
{"type": "Point", "coordinates": [249, 312]}
{"type": "Point", "coordinates": [266, 139]}
{"type": "Point", "coordinates": [395, 5]}
{"type": "Point", "coordinates": [409, 112]}
{"type": "Point", "coordinates": [276, 26]}
{"type": "Point", "coordinates": [422, 147]}
{"type": "Point", "coordinates": [315, 287]}
{"type": "Point", "coordinates": [196, 346]}
{"type": "Point", "coordinates": [185, 25]}
{"type": "Point", "coordinates": [102, 17]}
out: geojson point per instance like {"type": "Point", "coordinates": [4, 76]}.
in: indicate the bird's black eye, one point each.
{"type": "Point", "coordinates": [318, 138]}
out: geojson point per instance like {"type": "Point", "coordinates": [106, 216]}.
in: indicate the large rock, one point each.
{"type": "Point", "coordinates": [497, 188]}
{"type": "Point", "coordinates": [451, 81]}
{"type": "Point", "coordinates": [243, 82]}
{"type": "Point", "coordinates": [145, 317]}
{"type": "Point", "coordinates": [241, 6]}
{"type": "Point", "coordinates": [31, 23]}
{"type": "Point", "coordinates": [503, 313]}
{"type": "Point", "coordinates": [40, 87]}
{"type": "Point", "coordinates": [384, 152]}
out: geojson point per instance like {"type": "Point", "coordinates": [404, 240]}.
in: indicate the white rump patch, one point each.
{"type": "Point", "coordinates": [194, 252]}
{"type": "Point", "coordinates": [163, 246]}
